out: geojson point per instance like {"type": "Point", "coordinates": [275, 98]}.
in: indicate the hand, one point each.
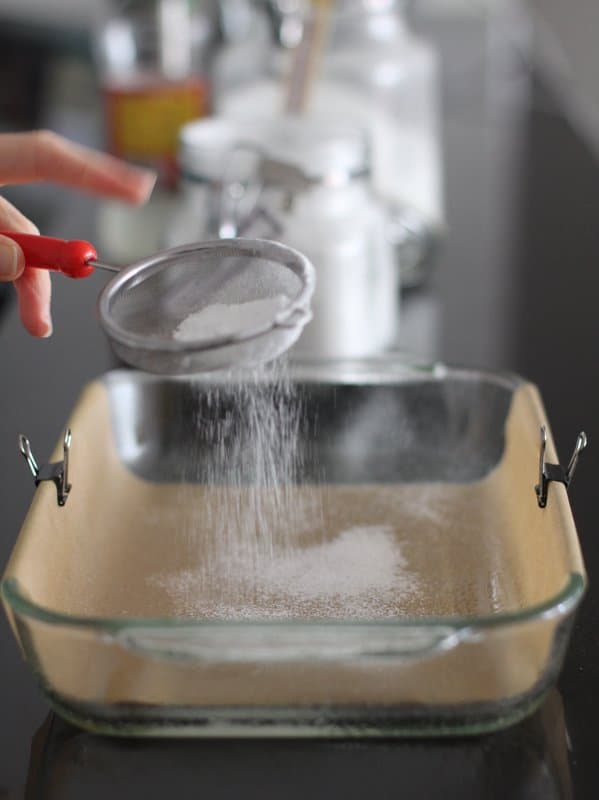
{"type": "Point", "coordinates": [45, 156]}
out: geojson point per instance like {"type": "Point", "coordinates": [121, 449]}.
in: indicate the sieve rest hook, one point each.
{"type": "Point", "coordinates": [299, 316]}
{"type": "Point", "coordinates": [57, 472]}
{"type": "Point", "coordinates": [556, 472]}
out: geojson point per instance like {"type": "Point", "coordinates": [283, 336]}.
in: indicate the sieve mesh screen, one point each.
{"type": "Point", "coordinates": [157, 303]}
{"type": "Point", "coordinates": [143, 308]}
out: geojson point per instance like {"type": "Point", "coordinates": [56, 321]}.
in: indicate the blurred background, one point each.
{"type": "Point", "coordinates": [442, 91]}
{"type": "Point", "coordinates": [437, 160]}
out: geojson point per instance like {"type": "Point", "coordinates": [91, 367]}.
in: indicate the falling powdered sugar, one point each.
{"type": "Point", "coordinates": [265, 538]}
{"type": "Point", "coordinates": [246, 460]}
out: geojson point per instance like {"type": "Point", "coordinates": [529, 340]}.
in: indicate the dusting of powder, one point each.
{"type": "Point", "coordinates": [357, 562]}
{"type": "Point", "coordinates": [222, 319]}
{"type": "Point", "coordinates": [360, 574]}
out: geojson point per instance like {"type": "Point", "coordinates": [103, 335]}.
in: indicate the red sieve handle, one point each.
{"type": "Point", "coordinates": [60, 255]}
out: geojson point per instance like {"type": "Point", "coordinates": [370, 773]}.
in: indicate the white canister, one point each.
{"type": "Point", "coordinates": [311, 178]}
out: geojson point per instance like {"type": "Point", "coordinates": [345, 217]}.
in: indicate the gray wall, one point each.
{"type": "Point", "coordinates": [566, 43]}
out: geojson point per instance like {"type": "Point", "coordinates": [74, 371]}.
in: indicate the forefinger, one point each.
{"type": "Point", "coordinates": [45, 156]}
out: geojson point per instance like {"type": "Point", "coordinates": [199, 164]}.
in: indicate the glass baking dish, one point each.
{"type": "Point", "coordinates": [447, 460]}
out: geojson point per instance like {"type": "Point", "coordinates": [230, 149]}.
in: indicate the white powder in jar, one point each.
{"type": "Point", "coordinates": [224, 319]}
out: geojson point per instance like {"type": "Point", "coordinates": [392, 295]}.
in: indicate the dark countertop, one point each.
{"type": "Point", "coordinates": [515, 287]}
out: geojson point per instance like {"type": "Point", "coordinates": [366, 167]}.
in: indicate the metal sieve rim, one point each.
{"type": "Point", "coordinates": [254, 248]}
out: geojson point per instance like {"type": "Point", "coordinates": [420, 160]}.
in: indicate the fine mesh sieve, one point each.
{"type": "Point", "coordinates": [142, 308]}
{"type": "Point", "coordinates": [261, 290]}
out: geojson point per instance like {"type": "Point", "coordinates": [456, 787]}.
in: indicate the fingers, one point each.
{"type": "Point", "coordinates": [41, 156]}
{"type": "Point", "coordinates": [45, 156]}
{"type": "Point", "coordinates": [32, 285]}
{"type": "Point", "coordinates": [12, 262]}
{"type": "Point", "coordinates": [34, 290]}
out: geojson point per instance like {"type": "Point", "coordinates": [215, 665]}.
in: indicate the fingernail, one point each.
{"type": "Point", "coordinates": [9, 261]}
{"type": "Point", "coordinates": [147, 183]}
{"type": "Point", "coordinates": [49, 328]}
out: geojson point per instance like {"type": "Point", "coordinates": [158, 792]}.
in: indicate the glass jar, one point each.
{"type": "Point", "coordinates": [153, 58]}
{"type": "Point", "coordinates": [243, 54]}
{"type": "Point", "coordinates": [307, 184]}
{"type": "Point", "coordinates": [375, 70]}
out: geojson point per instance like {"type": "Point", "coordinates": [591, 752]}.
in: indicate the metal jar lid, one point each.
{"type": "Point", "coordinates": [322, 150]}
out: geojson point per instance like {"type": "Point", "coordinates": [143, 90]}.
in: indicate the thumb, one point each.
{"type": "Point", "coordinates": [12, 260]}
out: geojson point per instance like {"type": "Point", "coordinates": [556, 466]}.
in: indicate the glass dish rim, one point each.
{"type": "Point", "coordinates": [394, 366]}
{"type": "Point", "coordinates": [559, 605]}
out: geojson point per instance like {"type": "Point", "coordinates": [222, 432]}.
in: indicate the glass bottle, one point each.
{"type": "Point", "coordinates": [375, 70]}
{"type": "Point", "coordinates": [154, 57]}
{"type": "Point", "coordinates": [244, 51]}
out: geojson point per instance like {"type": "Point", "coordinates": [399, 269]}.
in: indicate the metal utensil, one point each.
{"type": "Point", "coordinates": [141, 308]}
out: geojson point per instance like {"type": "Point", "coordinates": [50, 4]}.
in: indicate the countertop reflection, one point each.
{"type": "Point", "coordinates": [529, 760]}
